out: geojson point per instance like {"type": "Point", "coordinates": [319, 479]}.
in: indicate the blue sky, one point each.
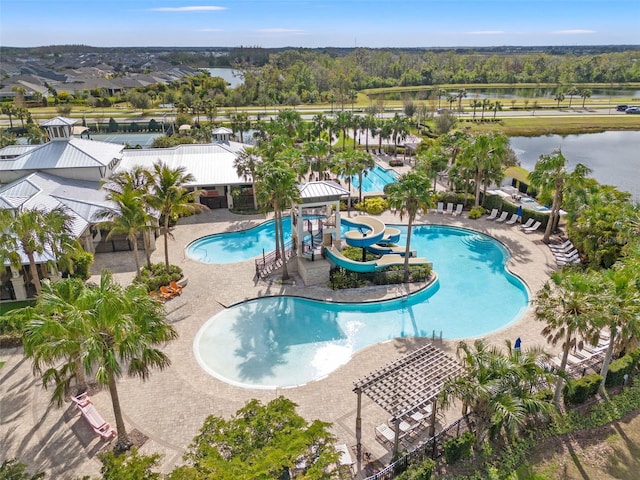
{"type": "Point", "coordinates": [319, 23]}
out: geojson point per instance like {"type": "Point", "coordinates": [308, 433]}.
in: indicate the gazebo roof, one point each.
{"type": "Point", "coordinates": [411, 381]}
{"type": "Point", "coordinates": [321, 190]}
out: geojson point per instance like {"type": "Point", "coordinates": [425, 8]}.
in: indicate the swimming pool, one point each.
{"type": "Point", "coordinates": [375, 180]}
{"type": "Point", "coordinates": [286, 341]}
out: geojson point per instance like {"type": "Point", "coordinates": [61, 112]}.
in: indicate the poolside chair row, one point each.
{"type": "Point", "coordinates": [458, 209]}
{"type": "Point", "coordinates": [565, 253]}
{"type": "Point", "coordinates": [503, 217]}
{"type": "Point", "coordinates": [408, 426]}
{"type": "Point", "coordinates": [586, 356]}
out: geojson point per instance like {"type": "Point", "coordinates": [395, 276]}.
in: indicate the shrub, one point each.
{"type": "Point", "coordinates": [476, 212]}
{"type": "Point", "coordinates": [157, 276]}
{"type": "Point", "coordinates": [458, 447]}
{"type": "Point", "coordinates": [578, 390]}
{"type": "Point", "coordinates": [422, 471]}
{"type": "Point", "coordinates": [81, 263]}
{"type": "Point", "coordinates": [621, 367]}
{"type": "Point", "coordinates": [373, 205]}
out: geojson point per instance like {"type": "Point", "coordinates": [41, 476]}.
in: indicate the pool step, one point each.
{"type": "Point", "coordinates": [478, 242]}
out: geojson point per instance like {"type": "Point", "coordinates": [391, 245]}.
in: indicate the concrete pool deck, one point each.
{"type": "Point", "coordinates": [172, 405]}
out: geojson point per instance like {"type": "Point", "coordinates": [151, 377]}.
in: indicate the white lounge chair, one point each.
{"type": "Point", "coordinates": [440, 208]}
{"type": "Point", "coordinates": [527, 224]}
{"type": "Point", "coordinates": [564, 256]}
{"type": "Point", "coordinates": [514, 218]}
{"type": "Point", "coordinates": [493, 214]}
{"type": "Point", "coordinates": [345, 456]}
{"type": "Point", "coordinates": [458, 211]}
{"type": "Point", "coordinates": [568, 261]}
{"type": "Point", "coordinates": [502, 217]}
{"type": "Point", "coordinates": [565, 247]}
{"type": "Point", "coordinates": [532, 228]}
{"type": "Point", "coordinates": [386, 434]}
{"type": "Point", "coordinates": [449, 208]}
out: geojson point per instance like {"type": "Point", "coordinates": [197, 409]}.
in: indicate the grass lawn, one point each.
{"type": "Point", "coordinates": [605, 453]}
{"type": "Point", "coordinates": [2, 364]}
{"type": "Point", "coordinates": [8, 306]}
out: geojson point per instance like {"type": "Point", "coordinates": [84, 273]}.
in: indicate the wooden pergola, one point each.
{"type": "Point", "coordinates": [406, 385]}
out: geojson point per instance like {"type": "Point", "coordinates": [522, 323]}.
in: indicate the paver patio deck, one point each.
{"type": "Point", "coordinates": [171, 406]}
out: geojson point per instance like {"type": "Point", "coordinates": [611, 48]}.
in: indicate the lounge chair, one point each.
{"type": "Point", "coordinates": [93, 418]}
{"type": "Point", "coordinates": [440, 208]}
{"type": "Point", "coordinates": [449, 208]}
{"type": "Point", "coordinates": [561, 247]}
{"type": "Point", "coordinates": [385, 434]}
{"type": "Point", "coordinates": [532, 228]}
{"type": "Point", "coordinates": [568, 261]}
{"type": "Point", "coordinates": [527, 224]}
{"type": "Point", "coordinates": [174, 287]}
{"type": "Point", "coordinates": [345, 456]}
{"type": "Point", "coordinates": [564, 256]}
{"type": "Point", "coordinates": [458, 211]}
{"type": "Point", "coordinates": [493, 214]}
{"type": "Point", "coordinates": [502, 217]}
{"type": "Point", "coordinates": [166, 293]}
{"type": "Point", "coordinates": [514, 218]}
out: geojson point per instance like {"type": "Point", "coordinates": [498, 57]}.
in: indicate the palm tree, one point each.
{"type": "Point", "coordinates": [343, 164]}
{"type": "Point", "coordinates": [498, 388]}
{"type": "Point", "coordinates": [399, 130]}
{"type": "Point", "coordinates": [485, 154]}
{"type": "Point", "coordinates": [559, 98]}
{"type": "Point", "coordinates": [363, 162]}
{"type": "Point", "coordinates": [344, 120]}
{"type": "Point", "coordinates": [572, 92]}
{"type": "Point", "coordinates": [130, 217]}
{"type": "Point", "coordinates": [462, 93]}
{"type": "Point", "coordinates": [496, 106]}
{"type": "Point", "coordinates": [475, 104]}
{"type": "Point", "coordinates": [111, 328]}
{"type": "Point", "coordinates": [568, 304]}
{"type": "Point", "coordinates": [368, 123]}
{"type": "Point", "coordinates": [276, 186]}
{"type": "Point", "coordinates": [620, 304]}
{"type": "Point", "coordinates": [408, 195]}
{"type": "Point", "coordinates": [168, 195]}
{"type": "Point", "coordinates": [585, 93]}
{"type": "Point", "coordinates": [550, 175]}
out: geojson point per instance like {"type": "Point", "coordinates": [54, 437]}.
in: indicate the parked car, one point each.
{"type": "Point", "coordinates": [622, 108]}
{"type": "Point", "coordinates": [632, 110]}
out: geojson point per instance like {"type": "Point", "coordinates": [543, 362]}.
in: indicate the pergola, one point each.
{"type": "Point", "coordinates": [406, 385]}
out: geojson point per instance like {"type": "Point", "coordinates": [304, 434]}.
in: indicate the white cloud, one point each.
{"type": "Point", "coordinates": [199, 8]}
{"type": "Point", "coordinates": [488, 32]}
{"type": "Point", "coordinates": [574, 32]}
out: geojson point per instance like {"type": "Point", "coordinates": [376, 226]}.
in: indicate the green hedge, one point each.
{"type": "Point", "coordinates": [423, 471]}
{"type": "Point", "coordinates": [157, 276]}
{"type": "Point", "coordinates": [625, 365]}
{"type": "Point", "coordinates": [458, 448]}
{"type": "Point", "coordinates": [578, 390]}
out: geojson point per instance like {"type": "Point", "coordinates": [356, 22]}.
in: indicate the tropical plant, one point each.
{"type": "Point", "coordinates": [107, 328]}
{"type": "Point", "coordinates": [550, 176]}
{"type": "Point", "coordinates": [260, 441]}
{"type": "Point", "coordinates": [408, 195]}
{"type": "Point", "coordinates": [485, 156]}
{"type": "Point", "coordinates": [499, 389]}
{"type": "Point", "coordinates": [168, 194]}
{"type": "Point", "coordinates": [569, 305]}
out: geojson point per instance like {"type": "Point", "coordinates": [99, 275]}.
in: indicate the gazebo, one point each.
{"type": "Point", "coordinates": [405, 386]}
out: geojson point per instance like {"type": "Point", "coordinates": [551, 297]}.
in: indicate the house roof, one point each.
{"type": "Point", "coordinates": [71, 153]}
{"type": "Point", "coordinates": [210, 164]}
{"type": "Point", "coordinates": [82, 200]}
{"type": "Point", "coordinates": [59, 122]}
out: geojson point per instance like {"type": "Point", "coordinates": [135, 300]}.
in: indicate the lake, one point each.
{"type": "Point", "coordinates": [231, 76]}
{"type": "Point", "coordinates": [612, 156]}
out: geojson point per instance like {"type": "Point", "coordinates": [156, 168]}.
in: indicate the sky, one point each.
{"type": "Point", "coordinates": [318, 23]}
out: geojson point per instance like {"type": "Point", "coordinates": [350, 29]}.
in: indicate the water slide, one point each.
{"type": "Point", "coordinates": [375, 236]}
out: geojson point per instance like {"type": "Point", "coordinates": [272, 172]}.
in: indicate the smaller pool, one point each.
{"type": "Point", "coordinates": [375, 179]}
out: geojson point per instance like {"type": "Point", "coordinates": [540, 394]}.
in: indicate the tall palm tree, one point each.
{"type": "Point", "coordinates": [485, 153]}
{"type": "Point", "coordinates": [585, 93]}
{"type": "Point", "coordinates": [168, 195]}
{"type": "Point", "coordinates": [344, 165]}
{"type": "Point", "coordinates": [363, 163]}
{"type": "Point", "coordinates": [277, 187]}
{"type": "Point", "coordinates": [568, 304]}
{"type": "Point", "coordinates": [113, 329]}
{"type": "Point", "coordinates": [550, 176]}
{"type": "Point", "coordinates": [344, 120]}
{"type": "Point", "coordinates": [408, 195]}
{"type": "Point", "coordinates": [130, 217]}
{"type": "Point", "coordinates": [498, 388]}
{"type": "Point", "coordinates": [620, 304]}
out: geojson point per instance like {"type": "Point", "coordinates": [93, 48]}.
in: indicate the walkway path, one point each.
{"type": "Point", "coordinates": [172, 405]}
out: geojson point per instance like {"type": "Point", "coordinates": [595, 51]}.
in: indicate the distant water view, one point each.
{"type": "Point", "coordinates": [231, 76]}
{"type": "Point", "coordinates": [612, 156]}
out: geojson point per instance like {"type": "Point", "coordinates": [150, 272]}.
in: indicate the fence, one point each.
{"type": "Point", "coordinates": [271, 261]}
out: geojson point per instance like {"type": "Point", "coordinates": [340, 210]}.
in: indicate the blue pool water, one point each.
{"type": "Point", "coordinates": [285, 341]}
{"type": "Point", "coordinates": [375, 180]}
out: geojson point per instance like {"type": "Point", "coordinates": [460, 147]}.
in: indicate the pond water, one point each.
{"type": "Point", "coordinates": [612, 156]}
{"type": "Point", "coordinates": [231, 76]}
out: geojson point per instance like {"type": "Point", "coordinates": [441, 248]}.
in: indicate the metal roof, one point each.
{"type": "Point", "coordinates": [324, 189]}
{"type": "Point", "coordinates": [71, 153]}
{"type": "Point", "coordinates": [411, 381]}
{"type": "Point", "coordinates": [16, 150]}
{"type": "Point", "coordinates": [59, 122]}
{"type": "Point", "coordinates": [210, 164]}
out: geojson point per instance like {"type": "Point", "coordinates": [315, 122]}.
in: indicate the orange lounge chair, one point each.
{"type": "Point", "coordinates": [166, 293]}
{"type": "Point", "coordinates": [174, 287]}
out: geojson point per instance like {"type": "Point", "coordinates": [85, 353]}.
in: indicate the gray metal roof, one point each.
{"type": "Point", "coordinates": [210, 164]}
{"type": "Point", "coordinates": [324, 189]}
{"type": "Point", "coordinates": [71, 153]}
{"type": "Point", "coordinates": [59, 122]}
{"type": "Point", "coordinates": [16, 150]}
